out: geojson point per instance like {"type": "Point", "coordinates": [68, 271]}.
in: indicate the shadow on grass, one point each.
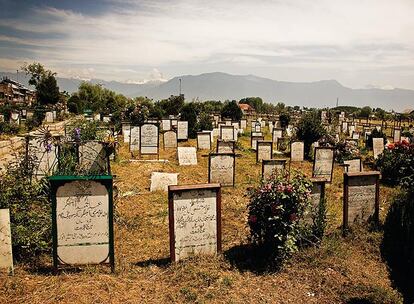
{"type": "Point", "coordinates": [163, 262]}
{"type": "Point", "coordinates": [247, 257]}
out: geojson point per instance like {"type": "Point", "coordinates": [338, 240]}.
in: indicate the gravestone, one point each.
{"type": "Point", "coordinates": [355, 135]}
{"type": "Point", "coordinates": [82, 221]}
{"type": "Point", "coordinates": [225, 146]}
{"type": "Point", "coordinates": [353, 165]}
{"type": "Point", "coordinates": [227, 133]}
{"type": "Point", "coordinates": [377, 146]}
{"type": "Point", "coordinates": [361, 198]}
{"type": "Point", "coordinates": [161, 180]}
{"type": "Point", "coordinates": [166, 124]}
{"type": "Point", "coordinates": [204, 140]}
{"type": "Point", "coordinates": [149, 139]}
{"type": "Point", "coordinates": [187, 156]}
{"type": "Point", "coordinates": [6, 255]}
{"type": "Point", "coordinates": [317, 198]}
{"type": "Point", "coordinates": [182, 130]}
{"type": "Point", "coordinates": [264, 150]}
{"type": "Point", "coordinates": [277, 133]}
{"type": "Point", "coordinates": [257, 134]}
{"type": "Point", "coordinates": [134, 143]}
{"type": "Point", "coordinates": [243, 124]}
{"type": "Point", "coordinates": [194, 220]}
{"type": "Point", "coordinates": [345, 127]}
{"type": "Point", "coordinates": [273, 166]}
{"type": "Point", "coordinates": [45, 155]}
{"type": "Point", "coordinates": [93, 158]}
{"type": "Point", "coordinates": [126, 132]}
{"type": "Point", "coordinates": [254, 140]}
{"type": "Point", "coordinates": [216, 132]}
{"type": "Point", "coordinates": [397, 134]}
{"type": "Point", "coordinates": [211, 135]}
{"type": "Point", "coordinates": [258, 126]}
{"type": "Point", "coordinates": [221, 168]}
{"type": "Point", "coordinates": [297, 151]}
{"type": "Point", "coordinates": [170, 139]}
{"type": "Point", "coordinates": [49, 117]}
{"type": "Point", "coordinates": [106, 119]}
{"type": "Point", "coordinates": [323, 163]}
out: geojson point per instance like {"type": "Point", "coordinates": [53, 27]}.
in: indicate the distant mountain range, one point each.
{"type": "Point", "coordinates": [222, 86]}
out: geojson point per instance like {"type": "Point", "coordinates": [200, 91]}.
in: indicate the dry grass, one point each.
{"type": "Point", "coordinates": [339, 270]}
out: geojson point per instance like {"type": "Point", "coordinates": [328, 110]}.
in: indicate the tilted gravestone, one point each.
{"type": "Point", "coordinates": [194, 220]}
{"type": "Point", "coordinates": [187, 156]}
{"type": "Point", "coordinates": [6, 255]}
{"type": "Point", "coordinates": [93, 157]}
{"type": "Point", "coordinates": [45, 155]}
{"type": "Point", "coordinates": [323, 163]}
{"type": "Point", "coordinates": [361, 198]}
{"type": "Point", "coordinates": [222, 168]}
{"type": "Point", "coordinates": [82, 220]}
{"type": "Point", "coordinates": [161, 180]}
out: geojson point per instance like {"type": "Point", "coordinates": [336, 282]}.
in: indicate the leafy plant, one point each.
{"type": "Point", "coordinates": [310, 129]}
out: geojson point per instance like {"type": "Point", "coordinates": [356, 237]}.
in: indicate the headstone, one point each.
{"type": "Point", "coordinates": [49, 117]}
{"type": "Point", "coordinates": [222, 168]}
{"type": "Point", "coordinates": [6, 255]}
{"type": "Point", "coordinates": [361, 197]}
{"type": "Point", "coordinates": [225, 146]}
{"type": "Point", "coordinates": [353, 165]}
{"type": "Point", "coordinates": [397, 134]}
{"type": "Point", "coordinates": [297, 151]}
{"type": "Point", "coordinates": [166, 124]}
{"type": "Point", "coordinates": [134, 142]}
{"type": "Point", "coordinates": [227, 133]}
{"type": "Point", "coordinates": [1, 118]}
{"type": "Point", "coordinates": [243, 124]}
{"type": "Point", "coordinates": [258, 127]}
{"type": "Point", "coordinates": [216, 132]}
{"type": "Point", "coordinates": [273, 166]}
{"type": "Point", "coordinates": [187, 156]}
{"type": "Point", "coordinates": [277, 133]}
{"type": "Point", "coordinates": [195, 220]}
{"type": "Point", "coordinates": [254, 140]}
{"type": "Point", "coordinates": [149, 139]}
{"type": "Point", "coordinates": [283, 144]}
{"type": "Point", "coordinates": [182, 130]}
{"type": "Point", "coordinates": [377, 146]}
{"type": "Point", "coordinates": [106, 119]}
{"type": "Point", "coordinates": [355, 135]}
{"type": "Point", "coordinates": [323, 163]}
{"type": "Point", "coordinates": [317, 198]}
{"type": "Point", "coordinates": [93, 158]}
{"type": "Point", "coordinates": [161, 180]}
{"type": "Point", "coordinates": [170, 139]}
{"type": "Point", "coordinates": [204, 140]}
{"type": "Point", "coordinates": [82, 222]}
{"type": "Point", "coordinates": [264, 150]}
{"type": "Point", "coordinates": [211, 135]}
{"type": "Point", "coordinates": [345, 127]}
{"type": "Point", "coordinates": [126, 132]}
{"type": "Point", "coordinates": [97, 117]}
{"type": "Point", "coordinates": [257, 134]}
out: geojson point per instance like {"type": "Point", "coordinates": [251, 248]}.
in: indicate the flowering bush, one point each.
{"type": "Point", "coordinates": [396, 164]}
{"type": "Point", "coordinates": [345, 150]}
{"type": "Point", "coordinates": [275, 210]}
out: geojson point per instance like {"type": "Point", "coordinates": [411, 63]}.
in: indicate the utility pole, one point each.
{"type": "Point", "coordinates": [337, 101]}
{"type": "Point", "coordinates": [180, 86]}
{"type": "Point", "coordinates": [17, 72]}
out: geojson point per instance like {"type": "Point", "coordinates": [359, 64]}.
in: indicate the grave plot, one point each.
{"type": "Point", "coordinates": [222, 168]}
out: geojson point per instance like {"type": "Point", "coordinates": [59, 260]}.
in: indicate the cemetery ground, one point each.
{"type": "Point", "coordinates": [341, 270]}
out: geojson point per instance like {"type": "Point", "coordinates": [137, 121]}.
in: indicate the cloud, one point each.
{"type": "Point", "coordinates": [129, 38]}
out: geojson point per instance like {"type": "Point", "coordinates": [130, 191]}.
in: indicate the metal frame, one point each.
{"type": "Point", "coordinates": [234, 167]}
{"type": "Point", "coordinates": [178, 189]}
{"type": "Point", "coordinates": [105, 180]}
{"type": "Point", "coordinates": [265, 142]}
{"type": "Point", "coordinates": [347, 176]}
{"type": "Point", "coordinates": [314, 162]}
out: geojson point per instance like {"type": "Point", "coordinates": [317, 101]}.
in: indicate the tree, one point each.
{"type": "Point", "coordinates": [255, 102]}
{"type": "Point", "coordinates": [172, 105]}
{"type": "Point", "coordinates": [189, 113]}
{"type": "Point", "coordinates": [232, 110]}
{"type": "Point", "coordinates": [310, 129]}
{"type": "Point", "coordinates": [284, 119]}
{"type": "Point", "coordinates": [365, 112]}
{"type": "Point", "coordinates": [36, 72]}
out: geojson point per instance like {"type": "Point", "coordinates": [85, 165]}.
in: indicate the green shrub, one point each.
{"type": "Point", "coordinates": [275, 210]}
{"type": "Point", "coordinates": [205, 122]}
{"type": "Point", "coordinates": [189, 113]}
{"type": "Point", "coordinates": [231, 110]}
{"type": "Point", "coordinates": [7, 128]}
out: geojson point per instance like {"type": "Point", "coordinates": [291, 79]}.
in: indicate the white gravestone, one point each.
{"type": "Point", "coordinates": [149, 139]}
{"type": "Point", "coordinates": [297, 151]}
{"type": "Point", "coordinates": [6, 255]}
{"type": "Point", "coordinates": [182, 130]}
{"type": "Point", "coordinates": [92, 157]}
{"type": "Point", "coordinates": [276, 134]}
{"type": "Point", "coordinates": [222, 169]}
{"type": "Point", "coordinates": [225, 146]}
{"type": "Point", "coordinates": [194, 229]}
{"type": "Point", "coordinates": [166, 124]}
{"type": "Point", "coordinates": [187, 156]}
{"type": "Point", "coordinates": [264, 150]}
{"type": "Point", "coordinates": [273, 166]}
{"type": "Point", "coordinates": [323, 163]}
{"type": "Point", "coordinates": [82, 222]}
{"type": "Point", "coordinates": [354, 165]}
{"type": "Point", "coordinates": [160, 181]}
{"type": "Point", "coordinates": [126, 132]}
{"type": "Point", "coordinates": [377, 146]}
{"type": "Point", "coordinates": [226, 132]}
{"type": "Point", "coordinates": [397, 135]}
{"type": "Point", "coordinates": [170, 139]}
{"type": "Point", "coordinates": [243, 124]}
{"type": "Point", "coordinates": [204, 140]}
{"type": "Point", "coordinates": [134, 139]}
{"type": "Point", "coordinates": [49, 117]}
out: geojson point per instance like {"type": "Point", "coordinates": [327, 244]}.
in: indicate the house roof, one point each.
{"type": "Point", "coordinates": [246, 107]}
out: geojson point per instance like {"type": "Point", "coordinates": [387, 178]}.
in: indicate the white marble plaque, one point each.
{"type": "Point", "coordinates": [182, 130]}
{"type": "Point", "coordinates": [149, 139]}
{"type": "Point", "coordinates": [195, 223]}
{"type": "Point", "coordinates": [397, 135]}
{"type": "Point", "coordinates": [166, 124]}
{"type": "Point", "coordinates": [134, 139]}
{"type": "Point", "coordinates": [264, 151]}
{"type": "Point", "coordinates": [170, 139]}
{"type": "Point", "coordinates": [82, 222]}
{"type": "Point", "coordinates": [204, 141]}
{"type": "Point", "coordinates": [6, 255]}
{"type": "Point", "coordinates": [323, 163]}
{"type": "Point", "coordinates": [354, 165]}
{"type": "Point", "coordinates": [297, 151]}
{"type": "Point", "coordinates": [126, 132]}
{"type": "Point", "coordinates": [222, 169]}
{"type": "Point", "coordinates": [161, 180]}
{"type": "Point", "coordinates": [187, 156]}
{"type": "Point", "coordinates": [377, 146]}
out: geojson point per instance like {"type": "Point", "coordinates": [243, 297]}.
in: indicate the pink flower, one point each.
{"type": "Point", "coordinates": [252, 219]}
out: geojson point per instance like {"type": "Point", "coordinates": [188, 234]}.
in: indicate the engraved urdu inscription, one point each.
{"type": "Point", "coordinates": [264, 151]}
{"type": "Point", "coordinates": [82, 221]}
{"type": "Point", "coordinates": [323, 163]}
{"type": "Point", "coordinates": [361, 198]}
{"type": "Point", "coordinates": [195, 223]}
{"type": "Point", "coordinates": [134, 140]}
{"type": "Point", "coordinates": [187, 156]}
{"type": "Point", "coordinates": [297, 151]}
{"type": "Point", "coordinates": [170, 139]}
{"type": "Point", "coordinates": [204, 141]}
{"type": "Point", "coordinates": [149, 139]}
{"type": "Point", "coordinates": [6, 257]}
{"type": "Point", "coordinates": [222, 169]}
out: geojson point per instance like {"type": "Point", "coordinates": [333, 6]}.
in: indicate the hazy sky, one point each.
{"type": "Point", "coordinates": [358, 43]}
